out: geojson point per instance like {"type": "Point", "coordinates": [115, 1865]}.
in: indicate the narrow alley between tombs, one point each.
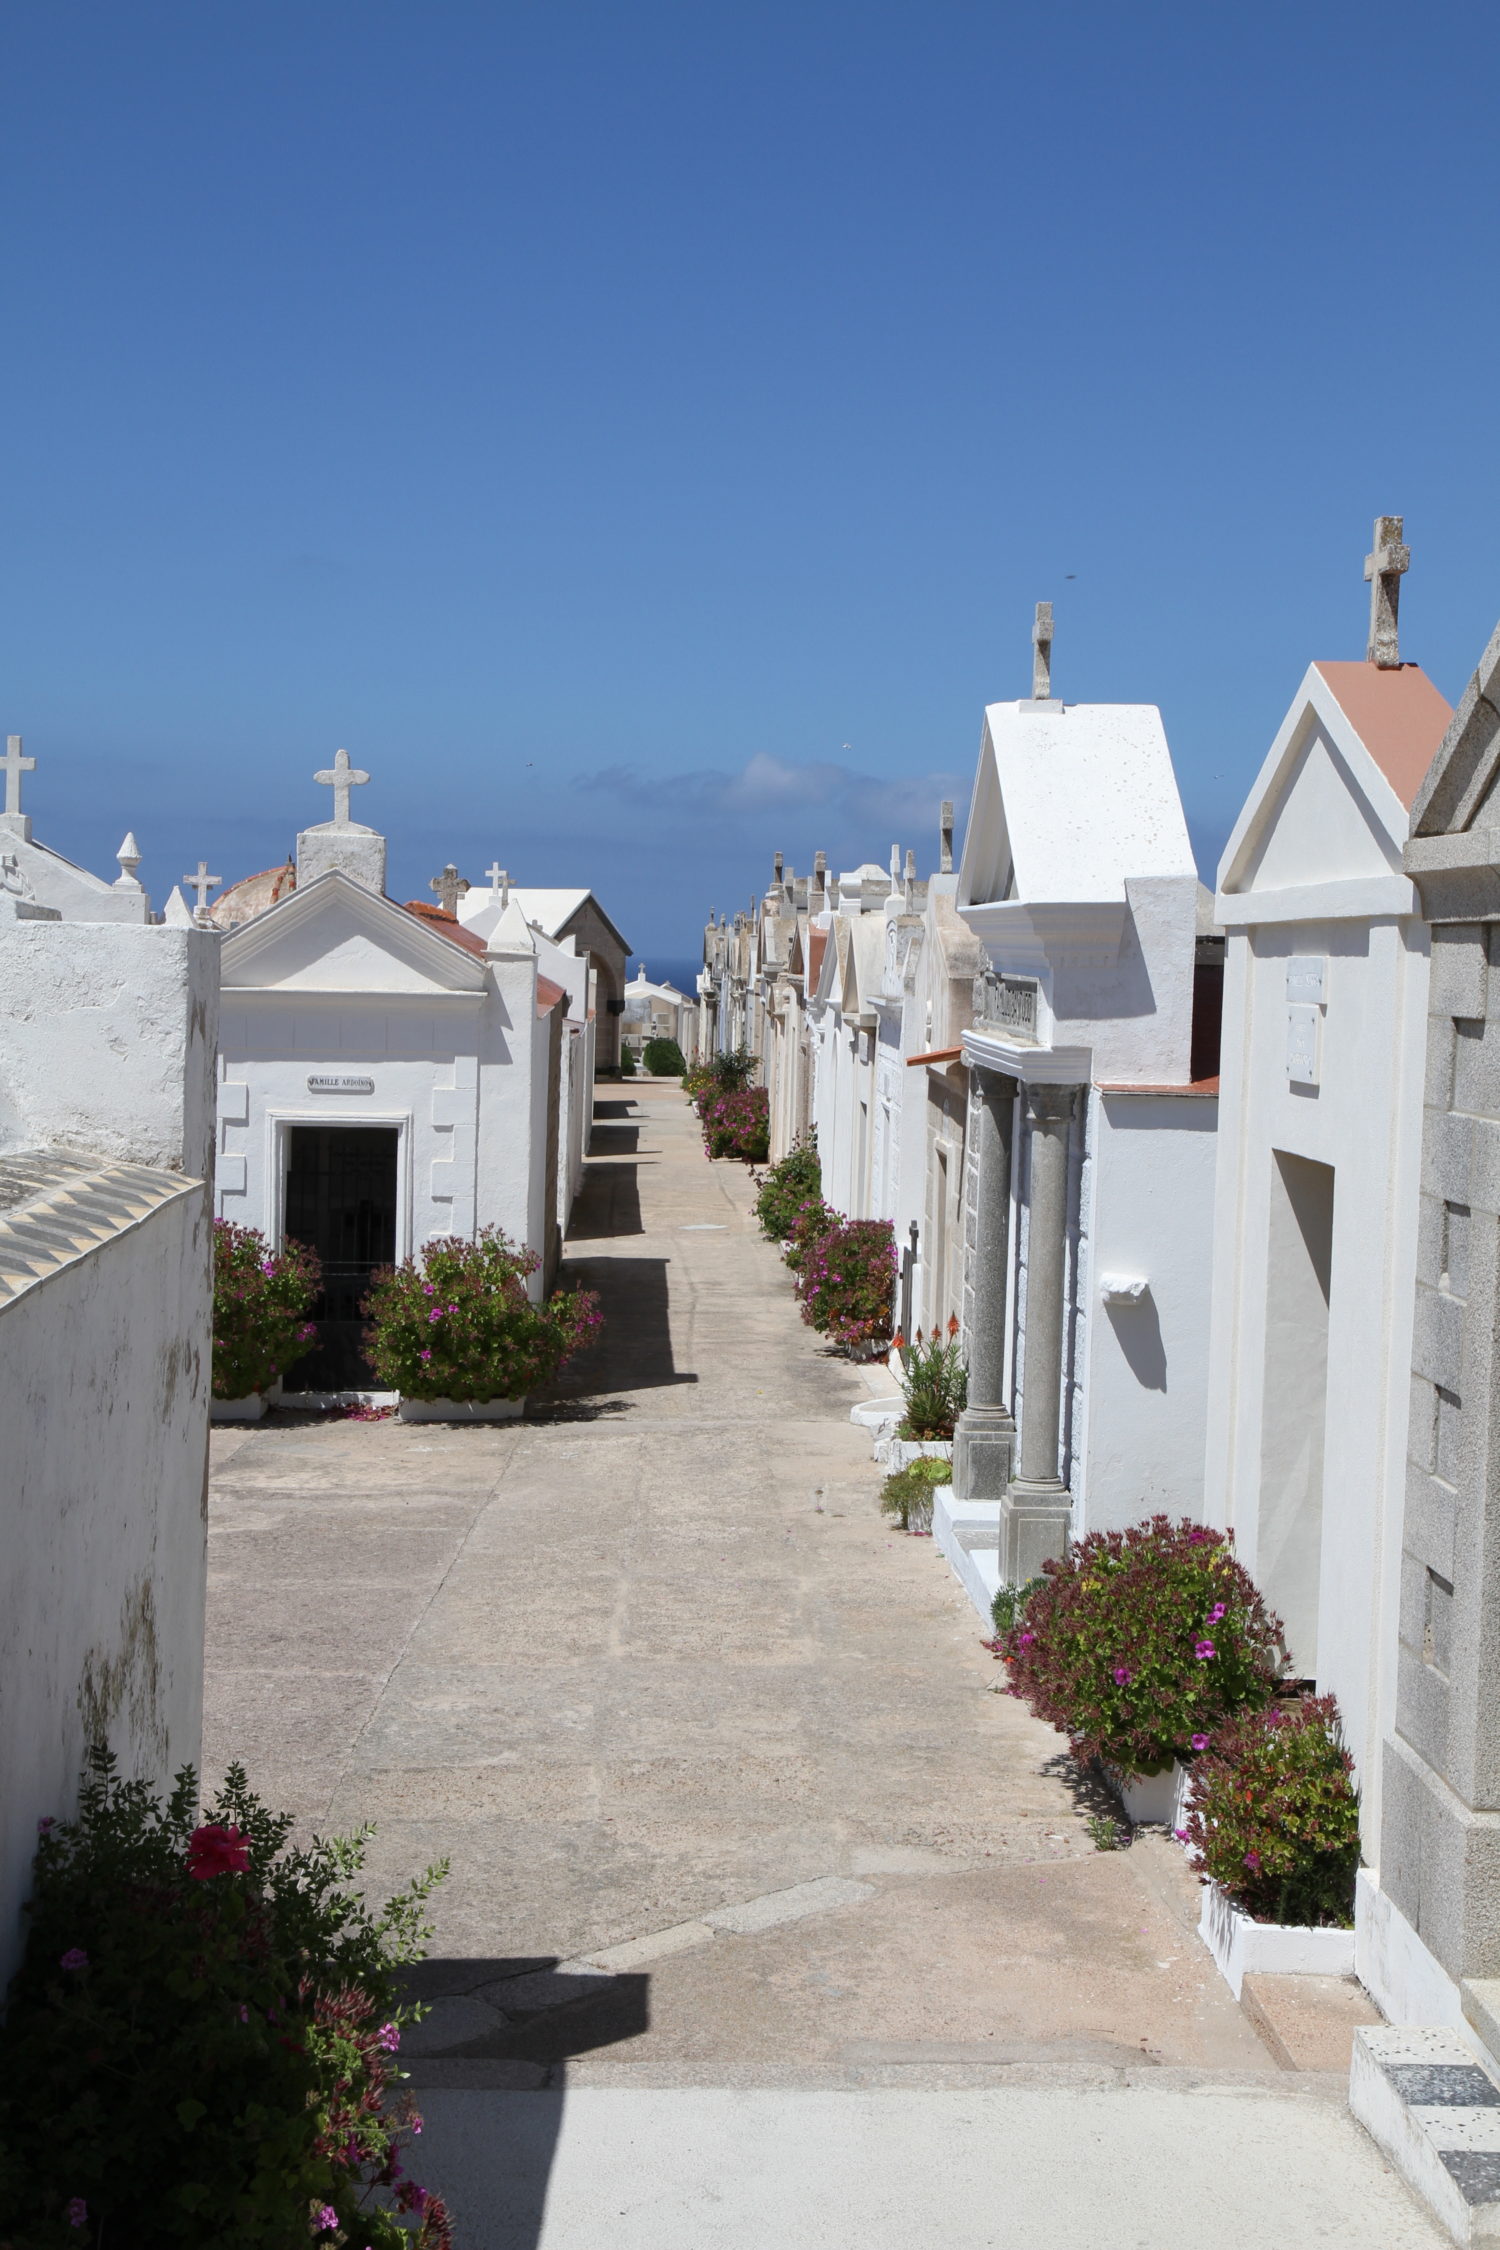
{"type": "Point", "coordinates": [771, 1919]}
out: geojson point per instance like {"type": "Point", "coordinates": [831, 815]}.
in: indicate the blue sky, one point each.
{"type": "Point", "coordinates": [640, 433]}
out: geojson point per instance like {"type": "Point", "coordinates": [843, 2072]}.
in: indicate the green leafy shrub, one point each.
{"type": "Point", "coordinates": [1273, 1815]}
{"type": "Point", "coordinates": [737, 1123]}
{"type": "Point", "coordinates": [200, 2042]}
{"type": "Point", "coordinates": [784, 1187]}
{"type": "Point", "coordinates": [262, 1298]}
{"type": "Point", "coordinates": [1141, 1642]}
{"type": "Point", "coordinates": [848, 1278]}
{"type": "Point", "coordinates": [663, 1058]}
{"type": "Point", "coordinates": [1009, 1604]}
{"type": "Point", "coordinates": [907, 1493]}
{"type": "Point", "coordinates": [934, 1383]}
{"type": "Point", "coordinates": [712, 1075]}
{"type": "Point", "coordinates": [627, 1059]}
{"type": "Point", "coordinates": [456, 1322]}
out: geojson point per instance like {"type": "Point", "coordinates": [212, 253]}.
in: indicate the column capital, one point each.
{"type": "Point", "coordinates": [1049, 1105]}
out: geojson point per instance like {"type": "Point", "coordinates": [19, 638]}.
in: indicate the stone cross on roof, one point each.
{"type": "Point", "coordinates": [945, 837]}
{"type": "Point", "coordinates": [1041, 662]}
{"type": "Point", "coordinates": [341, 777]}
{"type": "Point", "coordinates": [14, 765]}
{"type": "Point", "coordinates": [450, 887]}
{"type": "Point", "coordinates": [202, 883]}
{"type": "Point", "coordinates": [1383, 570]}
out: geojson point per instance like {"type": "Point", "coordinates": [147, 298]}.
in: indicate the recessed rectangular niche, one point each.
{"type": "Point", "coordinates": [1289, 1532]}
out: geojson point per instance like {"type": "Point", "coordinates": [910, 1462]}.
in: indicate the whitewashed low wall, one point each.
{"type": "Point", "coordinates": [967, 1534]}
{"type": "Point", "coordinates": [1243, 1948]}
{"type": "Point", "coordinates": [103, 1491]}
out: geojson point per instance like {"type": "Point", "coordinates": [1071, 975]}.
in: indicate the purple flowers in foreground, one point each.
{"type": "Point", "coordinates": [1203, 1650]}
{"type": "Point", "coordinates": [1122, 1675]}
{"type": "Point", "coordinates": [74, 1958]}
{"type": "Point", "coordinates": [76, 2212]}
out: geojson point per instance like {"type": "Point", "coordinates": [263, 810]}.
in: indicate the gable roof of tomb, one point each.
{"type": "Point", "coordinates": [1322, 830]}
{"type": "Point", "coordinates": [1069, 801]}
{"type": "Point", "coordinates": [443, 924]}
{"type": "Point", "coordinates": [1398, 714]}
{"type": "Point", "coordinates": [549, 910]}
{"type": "Point", "coordinates": [252, 894]}
{"type": "Point", "coordinates": [337, 935]}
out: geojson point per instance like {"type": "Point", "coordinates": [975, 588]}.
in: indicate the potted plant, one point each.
{"type": "Point", "coordinates": [455, 1332]}
{"type": "Point", "coordinates": [262, 1298]}
{"type": "Point", "coordinates": [200, 2044]}
{"type": "Point", "coordinates": [935, 1391]}
{"type": "Point", "coordinates": [848, 1283]}
{"type": "Point", "coordinates": [1139, 1645]}
{"type": "Point", "coordinates": [907, 1494]}
{"type": "Point", "coordinates": [1272, 1823]}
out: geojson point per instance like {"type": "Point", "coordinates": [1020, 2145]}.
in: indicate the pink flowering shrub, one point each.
{"type": "Point", "coordinates": [199, 2043]}
{"type": "Point", "coordinates": [1273, 1815]}
{"type": "Point", "coordinates": [262, 1298]}
{"type": "Point", "coordinates": [808, 1222]}
{"type": "Point", "coordinates": [848, 1281]}
{"type": "Point", "coordinates": [456, 1322]}
{"type": "Point", "coordinates": [1138, 1644]}
{"type": "Point", "coordinates": [737, 1123]}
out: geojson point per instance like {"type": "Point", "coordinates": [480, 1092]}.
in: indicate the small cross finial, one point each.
{"type": "Point", "coordinates": [945, 837]}
{"type": "Point", "coordinates": [202, 883]}
{"type": "Point", "coordinates": [13, 766]}
{"type": "Point", "coordinates": [1041, 662]}
{"type": "Point", "coordinates": [450, 887]}
{"type": "Point", "coordinates": [895, 868]}
{"type": "Point", "coordinates": [1383, 572]}
{"type": "Point", "coordinates": [129, 856]}
{"type": "Point", "coordinates": [497, 876]}
{"type": "Point", "coordinates": [341, 777]}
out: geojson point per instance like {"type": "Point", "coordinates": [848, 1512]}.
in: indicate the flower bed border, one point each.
{"type": "Point", "coordinates": [1242, 1947]}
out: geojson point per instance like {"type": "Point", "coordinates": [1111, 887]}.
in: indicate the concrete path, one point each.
{"type": "Point", "coordinates": [731, 1803]}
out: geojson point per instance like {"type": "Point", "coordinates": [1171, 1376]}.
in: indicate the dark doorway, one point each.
{"type": "Point", "coordinates": [341, 1201]}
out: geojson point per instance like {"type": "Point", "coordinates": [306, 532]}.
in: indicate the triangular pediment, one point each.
{"type": "Point", "coordinates": [336, 936]}
{"type": "Point", "coordinates": [1320, 811]}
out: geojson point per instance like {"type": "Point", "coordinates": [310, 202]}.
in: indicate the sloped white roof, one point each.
{"type": "Point", "coordinates": [1070, 801]}
{"type": "Point", "coordinates": [548, 909]}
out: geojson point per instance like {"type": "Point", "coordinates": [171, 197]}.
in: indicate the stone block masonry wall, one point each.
{"type": "Point", "coordinates": [1440, 1845]}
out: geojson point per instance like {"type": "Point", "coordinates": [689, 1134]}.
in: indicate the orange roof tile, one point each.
{"type": "Point", "coordinates": [443, 924]}
{"type": "Point", "coordinates": [1398, 714]}
{"type": "Point", "coordinates": [547, 995]}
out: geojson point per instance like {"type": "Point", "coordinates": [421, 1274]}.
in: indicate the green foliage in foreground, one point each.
{"type": "Point", "coordinates": [907, 1493]}
{"type": "Point", "coordinates": [200, 2042]}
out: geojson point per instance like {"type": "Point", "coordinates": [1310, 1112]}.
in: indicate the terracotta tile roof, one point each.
{"type": "Point", "coordinates": [444, 924]}
{"type": "Point", "coordinates": [1193, 1086]}
{"type": "Point", "coordinates": [937, 1055]}
{"type": "Point", "coordinates": [817, 945]}
{"type": "Point", "coordinates": [547, 995]}
{"type": "Point", "coordinates": [1398, 714]}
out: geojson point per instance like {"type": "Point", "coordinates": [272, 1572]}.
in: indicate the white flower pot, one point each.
{"type": "Point", "coordinates": [899, 1453]}
{"type": "Point", "coordinates": [1242, 1947]}
{"type": "Point", "coordinates": [251, 1409]}
{"type": "Point", "coordinates": [460, 1409]}
{"type": "Point", "coordinates": [1151, 1799]}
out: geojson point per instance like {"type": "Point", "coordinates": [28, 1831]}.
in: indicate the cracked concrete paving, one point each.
{"type": "Point", "coordinates": [652, 1654]}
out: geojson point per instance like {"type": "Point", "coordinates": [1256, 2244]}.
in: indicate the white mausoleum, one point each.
{"type": "Point", "coordinates": [1315, 1228]}
{"type": "Point", "coordinates": [388, 1074]}
{"type": "Point", "coordinates": [1091, 1130]}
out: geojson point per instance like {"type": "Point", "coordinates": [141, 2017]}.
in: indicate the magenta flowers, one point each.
{"type": "Point", "coordinates": [76, 2212]}
{"type": "Point", "coordinates": [1203, 1650]}
{"type": "Point", "coordinates": [1123, 1675]}
{"type": "Point", "coordinates": [1200, 1741]}
{"type": "Point", "coordinates": [74, 1958]}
